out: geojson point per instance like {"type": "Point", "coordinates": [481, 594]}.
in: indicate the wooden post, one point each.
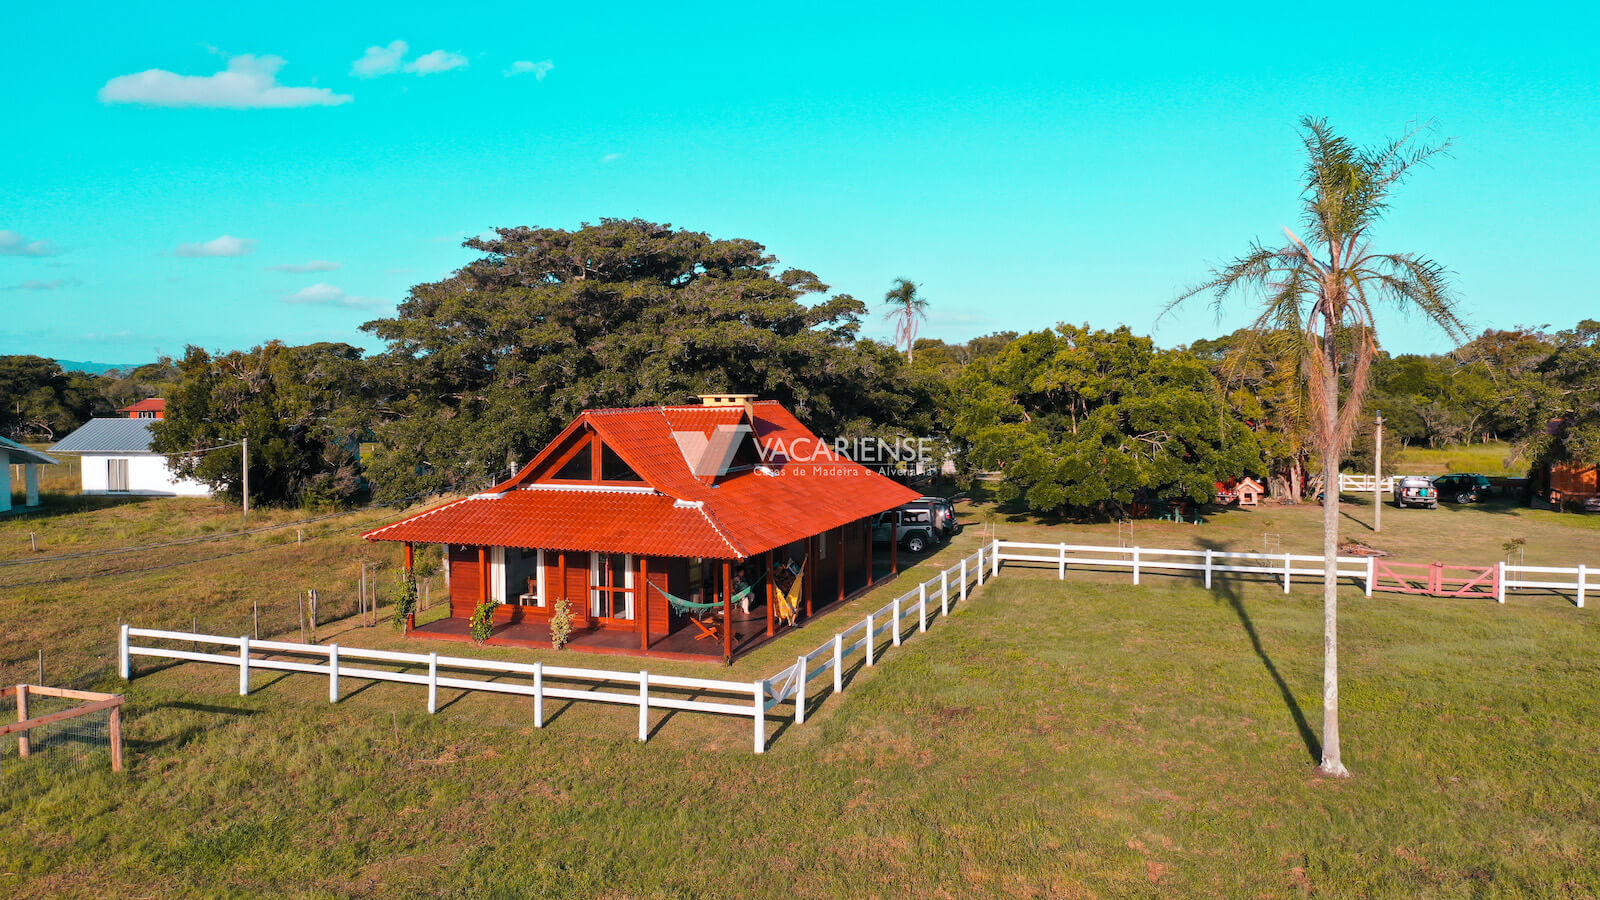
{"type": "Point", "coordinates": [922, 606]}
{"type": "Point", "coordinates": [1583, 582]}
{"type": "Point", "coordinates": [1500, 582]}
{"type": "Point", "coordinates": [838, 663]}
{"type": "Point", "coordinates": [895, 614]}
{"type": "Point", "coordinates": [24, 743]}
{"type": "Point", "coordinates": [1136, 565]}
{"type": "Point", "coordinates": [561, 565]}
{"type": "Point", "coordinates": [963, 591]}
{"type": "Point", "coordinates": [1208, 569]}
{"type": "Point", "coordinates": [980, 565]}
{"type": "Point", "coordinates": [244, 474]}
{"type": "Point", "coordinates": [244, 665]}
{"type": "Point", "coordinates": [840, 541]}
{"type": "Point", "coordinates": [811, 557]}
{"type": "Point", "coordinates": [894, 544]}
{"type": "Point", "coordinates": [644, 603]}
{"type": "Point", "coordinates": [644, 706]}
{"type": "Point", "coordinates": [772, 626]}
{"type": "Point", "coordinates": [759, 689]}
{"type": "Point", "coordinates": [124, 661]}
{"type": "Point", "coordinates": [800, 691]}
{"type": "Point", "coordinates": [483, 575]}
{"type": "Point", "coordinates": [114, 736]}
{"type": "Point", "coordinates": [255, 618]}
{"type": "Point", "coordinates": [538, 695]}
{"type": "Point", "coordinates": [870, 637]}
{"type": "Point", "coordinates": [433, 683]}
{"type": "Point", "coordinates": [333, 673]}
{"type": "Point", "coordinates": [727, 610]}
{"type": "Point", "coordinates": [1372, 570]}
{"type": "Point", "coordinates": [410, 558]}
{"type": "Point", "coordinates": [944, 592]}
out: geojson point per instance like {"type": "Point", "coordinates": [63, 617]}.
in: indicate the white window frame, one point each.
{"type": "Point", "coordinates": [627, 582]}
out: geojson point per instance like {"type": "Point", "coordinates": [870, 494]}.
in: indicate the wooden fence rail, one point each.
{"type": "Point", "coordinates": [1508, 579]}
{"type": "Point", "coordinates": [1138, 560]}
{"type": "Point", "coordinates": [97, 703]}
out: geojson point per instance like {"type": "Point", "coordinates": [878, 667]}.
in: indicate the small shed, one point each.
{"type": "Point", "coordinates": [1249, 491]}
{"type": "Point", "coordinates": [14, 454]}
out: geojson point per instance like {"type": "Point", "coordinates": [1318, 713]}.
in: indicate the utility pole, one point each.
{"type": "Point", "coordinates": [245, 471]}
{"type": "Point", "coordinates": [1377, 476]}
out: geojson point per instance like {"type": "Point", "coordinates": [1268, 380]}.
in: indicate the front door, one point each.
{"type": "Point", "coordinates": [611, 590]}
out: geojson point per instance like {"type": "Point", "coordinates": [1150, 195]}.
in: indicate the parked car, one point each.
{"type": "Point", "coordinates": [1414, 490]}
{"type": "Point", "coordinates": [911, 526]}
{"type": "Point", "coordinates": [944, 515]}
{"type": "Point", "coordinates": [1463, 488]}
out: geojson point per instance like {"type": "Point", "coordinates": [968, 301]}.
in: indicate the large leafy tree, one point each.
{"type": "Point", "coordinates": [300, 408]}
{"type": "Point", "coordinates": [1080, 420]}
{"type": "Point", "coordinates": [1322, 289]}
{"type": "Point", "coordinates": [484, 367]}
{"type": "Point", "coordinates": [1562, 424]}
{"type": "Point", "coordinates": [38, 401]}
{"type": "Point", "coordinates": [1262, 377]}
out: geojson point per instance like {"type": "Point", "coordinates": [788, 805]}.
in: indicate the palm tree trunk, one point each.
{"type": "Point", "coordinates": [1331, 765]}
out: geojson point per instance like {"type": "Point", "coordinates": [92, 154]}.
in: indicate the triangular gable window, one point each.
{"type": "Point", "coordinates": [580, 467]}
{"type": "Point", "coordinates": [612, 468]}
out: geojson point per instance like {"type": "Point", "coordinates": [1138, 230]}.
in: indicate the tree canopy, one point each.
{"type": "Point", "coordinates": [1080, 419]}
{"type": "Point", "coordinates": [484, 367]}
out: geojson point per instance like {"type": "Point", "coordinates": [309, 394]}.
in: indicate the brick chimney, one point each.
{"type": "Point", "coordinates": [747, 401]}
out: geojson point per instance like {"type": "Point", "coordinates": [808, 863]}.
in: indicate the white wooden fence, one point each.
{"type": "Point", "coordinates": [1277, 566]}
{"type": "Point", "coordinates": [885, 628]}
{"type": "Point", "coordinates": [648, 691]}
{"type": "Point", "coordinates": [1362, 484]}
{"type": "Point", "coordinates": [1545, 577]}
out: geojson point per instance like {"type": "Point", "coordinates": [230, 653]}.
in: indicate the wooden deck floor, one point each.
{"type": "Point", "coordinates": [749, 629]}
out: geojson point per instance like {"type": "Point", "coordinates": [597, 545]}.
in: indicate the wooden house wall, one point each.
{"type": "Point", "coordinates": [465, 582]}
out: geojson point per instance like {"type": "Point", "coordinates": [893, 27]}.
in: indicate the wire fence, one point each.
{"type": "Point", "coordinates": [70, 746]}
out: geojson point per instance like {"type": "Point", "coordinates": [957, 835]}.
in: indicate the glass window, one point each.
{"type": "Point", "coordinates": [580, 467]}
{"type": "Point", "coordinates": [612, 468]}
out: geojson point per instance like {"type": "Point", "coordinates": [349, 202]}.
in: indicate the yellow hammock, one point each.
{"type": "Point", "coordinates": [788, 602]}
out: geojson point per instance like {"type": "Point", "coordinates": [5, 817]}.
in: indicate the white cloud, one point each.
{"type": "Point", "coordinates": [611, 157]}
{"type": "Point", "coordinates": [249, 82]}
{"type": "Point", "coordinates": [435, 62]}
{"type": "Point", "coordinates": [525, 67]}
{"type": "Point", "coordinates": [33, 285]}
{"type": "Point", "coordinates": [316, 265]}
{"type": "Point", "coordinates": [379, 60]}
{"type": "Point", "coordinates": [227, 245]}
{"type": "Point", "coordinates": [324, 294]}
{"type": "Point", "coordinates": [14, 244]}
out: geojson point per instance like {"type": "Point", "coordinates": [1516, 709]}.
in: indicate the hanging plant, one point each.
{"type": "Point", "coordinates": [405, 600]}
{"type": "Point", "coordinates": [561, 623]}
{"type": "Point", "coordinates": [482, 622]}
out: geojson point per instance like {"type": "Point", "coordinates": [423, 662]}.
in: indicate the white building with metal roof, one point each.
{"type": "Point", "coordinates": [117, 460]}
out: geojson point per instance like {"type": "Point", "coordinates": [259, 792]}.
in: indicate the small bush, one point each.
{"type": "Point", "coordinates": [561, 623]}
{"type": "Point", "coordinates": [405, 600]}
{"type": "Point", "coordinates": [483, 621]}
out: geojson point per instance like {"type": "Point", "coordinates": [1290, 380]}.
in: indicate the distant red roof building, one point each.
{"type": "Point", "coordinates": [694, 502]}
{"type": "Point", "coordinates": [153, 408]}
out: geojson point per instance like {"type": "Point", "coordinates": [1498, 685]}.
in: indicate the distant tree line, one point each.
{"type": "Point", "coordinates": [481, 369]}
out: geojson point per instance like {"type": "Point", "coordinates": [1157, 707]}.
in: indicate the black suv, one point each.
{"type": "Point", "coordinates": [1463, 488]}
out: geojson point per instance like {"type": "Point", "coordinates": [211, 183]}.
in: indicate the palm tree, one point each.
{"type": "Point", "coordinates": [906, 310]}
{"type": "Point", "coordinates": [1321, 292]}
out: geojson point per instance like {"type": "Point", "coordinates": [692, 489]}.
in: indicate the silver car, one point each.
{"type": "Point", "coordinates": [1414, 490]}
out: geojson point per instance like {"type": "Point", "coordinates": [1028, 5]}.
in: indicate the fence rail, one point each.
{"type": "Point", "coordinates": [1507, 579]}
{"type": "Point", "coordinates": [97, 702]}
{"type": "Point", "coordinates": [1207, 562]}
{"type": "Point", "coordinates": [1362, 484]}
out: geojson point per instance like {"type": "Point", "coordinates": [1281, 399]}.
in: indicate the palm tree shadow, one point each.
{"type": "Point", "coordinates": [1229, 588]}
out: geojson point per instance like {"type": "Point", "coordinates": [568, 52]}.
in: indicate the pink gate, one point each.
{"type": "Point", "coordinates": [1435, 579]}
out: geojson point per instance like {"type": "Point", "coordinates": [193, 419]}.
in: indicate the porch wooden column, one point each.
{"type": "Point", "coordinates": [561, 566]}
{"type": "Point", "coordinates": [840, 541]}
{"type": "Point", "coordinates": [483, 575]}
{"type": "Point", "coordinates": [644, 603]}
{"type": "Point", "coordinates": [870, 570]}
{"type": "Point", "coordinates": [894, 546]}
{"type": "Point", "coordinates": [409, 558]}
{"type": "Point", "coordinates": [772, 625]}
{"type": "Point", "coordinates": [411, 620]}
{"type": "Point", "coordinates": [811, 563]}
{"type": "Point", "coordinates": [727, 610]}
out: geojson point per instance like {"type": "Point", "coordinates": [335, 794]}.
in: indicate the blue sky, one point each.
{"type": "Point", "coordinates": [1023, 165]}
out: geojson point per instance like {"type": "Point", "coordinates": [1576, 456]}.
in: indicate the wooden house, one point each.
{"type": "Point", "coordinates": [669, 530]}
{"type": "Point", "coordinates": [1249, 491]}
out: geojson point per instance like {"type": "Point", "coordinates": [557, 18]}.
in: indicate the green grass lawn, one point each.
{"type": "Point", "coordinates": [1052, 739]}
{"type": "Point", "coordinates": [1496, 458]}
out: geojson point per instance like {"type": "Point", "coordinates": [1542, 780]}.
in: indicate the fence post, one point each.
{"type": "Point", "coordinates": [333, 673]}
{"type": "Point", "coordinates": [1372, 573]}
{"type": "Point", "coordinates": [644, 705]}
{"type": "Point", "coordinates": [1436, 579]}
{"type": "Point", "coordinates": [760, 716]}
{"type": "Point", "coordinates": [1287, 562]}
{"type": "Point", "coordinates": [114, 737]}
{"type": "Point", "coordinates": [800, 691]}
{"type": "Point", "coordinates": [1208, 569]}
{"type": "Point", "coordinates": [244, 665]}
{"type": "Point", "coordinates": [1136, 566]}
{"type": "Point", "coordinates": [922, 606]}
{"type": "Point", "coordinates": [944, 592]}
{"type": "Point", "coordinates": [1583, 577]}
{"type": "Point", "coordinates": [980, 565]}
{"type": "Point", "coordinates": [24, 739]}
{"type": "Point", "coordinates": [433, 683]}
{"type": "Point", "coordinates": [1500, 582]}
{"type": "Point", "coordinates": [538, 695]}
{"type": "Point", "coordinates": [994, 557]}
{"type": "Point", "coordinates": [869, 639]}
{"type": "Point", "coordinates": [838, 662]}
{"type": "Point", "coordinates": [124, 663]}
{"type": "Point", "coordinates": [963, 590]}
{"type": "Point", "coordinates": [896, 615]}
{"type": "Point", "coordinates": [1061, 567]}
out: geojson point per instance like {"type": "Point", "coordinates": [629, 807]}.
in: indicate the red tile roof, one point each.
{"type": "Point", "coordinates": [739, 514]}
{"type": "Point", "coordinates": [152, 404]}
